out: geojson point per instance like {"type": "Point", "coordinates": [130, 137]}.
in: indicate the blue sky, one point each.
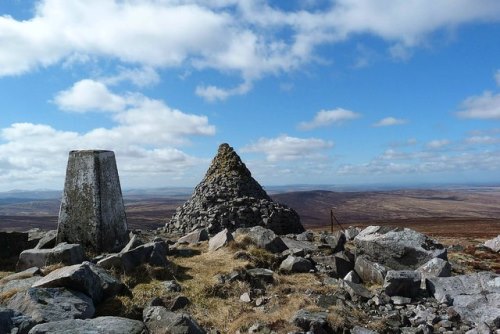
{"type": "Point", "coordinates": [307, 92]}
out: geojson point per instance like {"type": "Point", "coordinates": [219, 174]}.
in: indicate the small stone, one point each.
{"type": "Point", "coordinates": [245, 298]}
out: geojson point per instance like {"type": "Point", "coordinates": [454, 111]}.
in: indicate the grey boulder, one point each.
{"type": "Point", "coordinates": [153, 253]}
{"type": "Point", "coordinates": [48, 240]}
{"type": "Point", "coordinates": [314, 322]}
{"type": "Point", "coordinates": [398, 248]}
{"type": "Point", "coordinates": [64, 253]}
{"type": "Point", "coordinates": [52, 304]}
{"type": "Point", "coordinates": [159, 320]}
{"type": "Point", "coordinates": [264, 238]}
{"type": "Point", "coordinates": [296, 264]}
{"type": "Point", "coordinates": [101, 325]}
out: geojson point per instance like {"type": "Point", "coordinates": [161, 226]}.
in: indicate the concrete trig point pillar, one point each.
{"type": "Point", "coordinates": [92, 211]}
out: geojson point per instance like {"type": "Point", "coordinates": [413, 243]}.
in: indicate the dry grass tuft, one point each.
{"type": "Point", "coordinates": [50, 268]}
{"type": "Point", "coordinates": [6, 295]}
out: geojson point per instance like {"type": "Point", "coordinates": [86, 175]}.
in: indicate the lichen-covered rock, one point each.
{"type": "Point", "coordinates": [229, 197]}
{"type": "Point", "coordinates": [264, 238]}
{"type": "Point", "coordinates": [404, 283]}
{"type": "Point", "coordinates": [369, 271]}
{"type": "Point", "coordinates": [194, 237]}
{"type": "Point", "coordinates": [221, 239]}
{"type": "Point", "coordinates": [92, 211]}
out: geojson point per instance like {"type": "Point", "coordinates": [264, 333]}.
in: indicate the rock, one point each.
{"type": "Point", "coordinates": [172, 286]}
{"type": "Point", "coordinates": [493, 244]}
{"type": "Point", "coordinates": [434, 268]}
{"type": "Point", "coordinates": [12, 244]}
{"type": "Point", "coordinates": [351, 232]}
{"type": "Point", "coordinates": [362, 330]}
{"type": "Point", "coordinates": [229, 197]}
{"type": "Point", "coordinates": [64, 253]}
{"type": "Point", "coordinates": [179, 303]}
{"type": "Point", "coordinates": [6, 323]}
{"type": "Point", "coordinates": [100, 325]}
{"type": "Point", "coordinates": [260, 276]}
{"type": "Point", "coordinates": [134, 242]}
{"type": "Point", "coordinates": [245, 298]}
{"type": "Point", "coordinates": [264, 238]}
{"type": "Point", "coordinates": [352, 277]}
{"type": "Point", "coordinates": [476, 297]}
{"type": "Point", "coordinates": [153, 253]}
{"type": "Point", "coordinates": [159, 320]}
{"type": "Point", "coordinates": [305, 236]}
{"type": "Point", "coordinates": [295, 264]}
{"type": "Point", "coordinates": [369, 271]}
{"type": "Point", "coordinates": [337, 265]}
{"type": "Point", "coordinates": [220, 240]}
{"type": "Point", "coordinates": [78, 277]}
{"type": "Point", "coordinates": [314, 322]}
{"type": "Point", "coordinates": [48, 240]}
{"type": "Point", "coordinates": [400, 300]}
{"type": "Point", "coordinates": [335, 240]}
{"type": "Point", "coordinates": [92, 211]}
{"type": "Point", "coordinates": [194, 237]}
{"type": "Point", "coordinates": [52, 304]}
{"type": "Point", "coordinates": [305, 247]}
{"type": "Point", "coordinates": [16, 285]}
{"type": "Point", "coordinates": [404, 283]}
{"type": "Point", "coordinates": [356, 291]}
{"type": "Point", "coordinates": [397, 248]}
{"type": "Point", "coordinates": [30, 272]}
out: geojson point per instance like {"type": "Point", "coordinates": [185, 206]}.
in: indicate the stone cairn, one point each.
{"type": "Point", "coordinates": [229, 197]}
{"type": "Point", "coordinates": [92, 212]}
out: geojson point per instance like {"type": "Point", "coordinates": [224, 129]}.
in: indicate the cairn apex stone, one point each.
{"type": "Point", "coordinates": [229, 197]}
{"type": "Point", "coordinates": [92, 211]}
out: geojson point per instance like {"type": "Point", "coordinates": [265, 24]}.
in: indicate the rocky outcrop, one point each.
{"type": "Point", "coordinates": [229, 197]}
{"type": "Point", "coordinates": [92, 212]}
{"type": "Point", "coordinates": [159, 320]}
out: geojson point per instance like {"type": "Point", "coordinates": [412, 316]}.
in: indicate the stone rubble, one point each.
{"type": "Point", "coordinates": [229, 197]}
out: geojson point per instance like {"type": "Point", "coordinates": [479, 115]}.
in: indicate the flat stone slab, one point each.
{"type": "Point", "coordinates": [64, 253]}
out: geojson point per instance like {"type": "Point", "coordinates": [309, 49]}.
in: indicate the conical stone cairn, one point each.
{"type": "Point", "coordinates": [229, 197]}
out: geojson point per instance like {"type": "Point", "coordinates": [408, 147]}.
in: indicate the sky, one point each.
{"type": "Point", "coordinates": [336, 92]}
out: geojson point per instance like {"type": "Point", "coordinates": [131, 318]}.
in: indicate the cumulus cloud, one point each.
{"type": "Point", "coordinates": [329, 117]}
{"type": "Point", "coordinates": [144, 135]}
{"type": "Point", "coordinates": [246, 37]}
{"type": "Point", "coordinates": [486, 106]}
{"type": "Point", "coordinates": [289, 148]}
{"type": "Point", "coordinates": [140, 77]}
{"type": "Point", "coordinates": [390, 121]}
{"type": "Point", "coordinates": [481, 140]}
{"type": "Point", "coordinates": [89, 95]}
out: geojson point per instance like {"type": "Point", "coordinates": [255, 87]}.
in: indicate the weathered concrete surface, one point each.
{"type": "Point", "coordinates": [92, 211]}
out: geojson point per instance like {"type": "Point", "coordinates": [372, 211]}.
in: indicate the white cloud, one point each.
{"type": "Point", "coordinates": [497, 77]}
{"type": "Point", "coordinates": [89, 95]}
{"type": "Point", "coordinates": [141, 77]}
{"type": "Point", "coordinates": [438, 143]}
{"type": "Point", "coordinates": [212, 93]}
{"type": "Point", "coordinates": [239, 36]}
{"type": "Point", "coordinates": [486, 106]}
{"type": "Point", "coordinates": [329, 117]}
{"type": "Point", "coordinates": [390, 121]}
{"type": "Point", "coordinates": [144, 136]}
{"type": "Point", "coordinates": [289, 148]}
